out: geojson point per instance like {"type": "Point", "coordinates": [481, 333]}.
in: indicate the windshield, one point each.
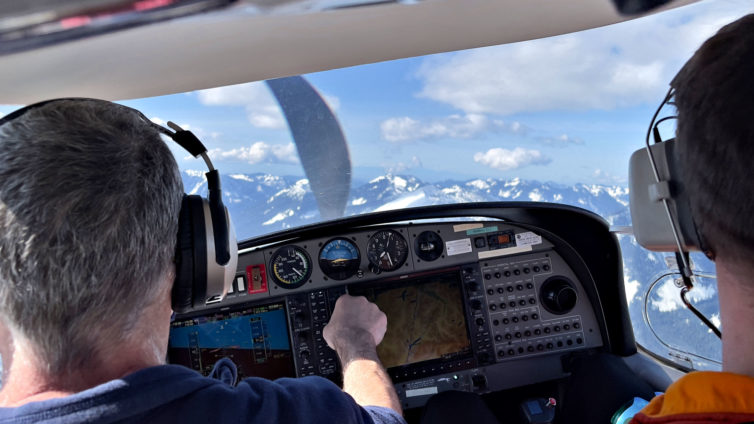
{"type": "Point", "coordinates": [550, 120]}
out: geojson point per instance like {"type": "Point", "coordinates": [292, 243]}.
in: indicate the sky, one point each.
{"type": "Point", "coordinates": [565, 109]}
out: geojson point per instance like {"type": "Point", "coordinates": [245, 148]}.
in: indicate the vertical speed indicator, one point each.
{"type": "Point", "coordinates": [387, 250]}
{"type": "Point", "coordinates": [291, 267]}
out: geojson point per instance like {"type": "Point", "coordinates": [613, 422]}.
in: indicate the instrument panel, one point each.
{"type": "Point", "coordinates": [475, 306]}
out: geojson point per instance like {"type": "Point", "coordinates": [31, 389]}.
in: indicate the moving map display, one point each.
{"type": "Point", "coordinates": [255, 339]}
{"type": "Point", "coordinates": [425, 321]}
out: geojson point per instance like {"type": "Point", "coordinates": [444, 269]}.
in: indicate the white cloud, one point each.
{"type": "Point", "coordinates": [715, 319]}
{"type": "Point", "coordinates": [604, 68]}
{"type": "Point", "coordinates": [186, 127]}
{"type": "Point", "coordinates": [561, 140]}
{"type": "Point", "coordinates": [631, 287]}
{"type": "Point", "coordinates": [262, 109]}
{"type": "Point", "coordinates": [518, 127]}
{"type": "Point", "coordinates": [604, 177]}
{"type": "Point", "coordinates": [668, 296]}
{"type": "Point", "coordinates": [158, 121]}
{"type": "Point", "coordinates": [405, 129]}
{"type": "Point", "coordinates": [259, 152]}
{"type": "Point", "coordinates": [506, 160]}
{"type": "Point", "coordinates": [399, 167]}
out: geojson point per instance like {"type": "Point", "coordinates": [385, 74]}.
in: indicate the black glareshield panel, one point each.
{"type": "Point", "coordinates": [255, 338]}
{"type": "Point", "coordinates": [426, 323]}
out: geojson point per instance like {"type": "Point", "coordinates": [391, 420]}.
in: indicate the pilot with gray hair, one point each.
{"type": "Point", "coordinates": [90, 199]}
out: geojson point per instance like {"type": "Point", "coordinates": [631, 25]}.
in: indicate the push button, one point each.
{"type": "Point", "coordinates": [240, 284]}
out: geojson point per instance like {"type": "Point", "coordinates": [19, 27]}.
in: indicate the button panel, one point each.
{"type": "Point", "coordinates": [308, 314]}
{"type": "Point", "coordinates": [538, 337]}
{"type": "Point", "coordinates": [477, 317]}
{"type": "Point", "coordinates": [512, 303]}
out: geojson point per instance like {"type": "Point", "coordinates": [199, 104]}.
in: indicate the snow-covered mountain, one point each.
{"type": "Point", "coordinates": [263, 203]}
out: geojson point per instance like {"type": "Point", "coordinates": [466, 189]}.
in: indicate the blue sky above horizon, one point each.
{"type": "Point", "coordinates": [567, 109]}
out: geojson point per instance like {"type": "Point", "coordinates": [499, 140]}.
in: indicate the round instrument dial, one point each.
{"type": "Point", "coordinates": [339, 259]}
{"type": "Point", "coordinates": [291, 267]}
{"type": "Point", "coordinates": [428, 246]}
{"type": "Point", "coordinates": [387, 250]}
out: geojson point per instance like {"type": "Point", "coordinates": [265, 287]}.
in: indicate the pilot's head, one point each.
{"type": "Point", "coordinates": [89, 205]}
{"type": "Point", "coordinates": [715, 102]}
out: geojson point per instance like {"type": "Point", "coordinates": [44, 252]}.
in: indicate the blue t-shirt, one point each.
{"type": "Point", "coordinates": [172, 393]}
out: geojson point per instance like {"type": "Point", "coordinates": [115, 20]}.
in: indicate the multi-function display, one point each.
{"type": "Point", "coordinates": [426, 320]}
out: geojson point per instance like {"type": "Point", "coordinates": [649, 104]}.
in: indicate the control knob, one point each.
{"type": "Point", "coordinates": [558, 295]}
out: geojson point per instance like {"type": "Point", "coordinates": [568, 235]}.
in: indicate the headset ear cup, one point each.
{"type": "Point", "coordinates": [182, 293]}
{"type": "Point", "coordinates": [198, 249]}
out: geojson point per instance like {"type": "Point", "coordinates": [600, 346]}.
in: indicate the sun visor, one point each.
{"type": "Point", "coordinates": [651, 225]}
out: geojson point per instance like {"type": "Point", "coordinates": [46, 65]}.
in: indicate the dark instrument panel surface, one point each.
{"type": "Point", "coordinates": [472, 305]}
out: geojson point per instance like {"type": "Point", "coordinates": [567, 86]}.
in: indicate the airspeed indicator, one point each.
{"type": "Point", "coordinates": [291, 267]}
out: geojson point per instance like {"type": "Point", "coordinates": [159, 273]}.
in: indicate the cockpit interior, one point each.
{"type": "Point", "coordinates": [524, 302]}
{"type": "Point", "coordinates": [486, 298]}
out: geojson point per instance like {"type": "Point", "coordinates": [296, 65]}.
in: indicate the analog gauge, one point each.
{"type": "Point", "coordinates": [387, 250]}
{"type": "Point", "coordinates": [339, 259]}
{"type": "Point", "coordinates": [291, 267]}
{"type": "Point", "coordinates": [428, 246]}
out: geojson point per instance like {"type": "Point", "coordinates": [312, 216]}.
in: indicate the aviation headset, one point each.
{"type": "Point", "coordinates": [656, 188]}
{"type": "Point", "coordinates": [206, 253]}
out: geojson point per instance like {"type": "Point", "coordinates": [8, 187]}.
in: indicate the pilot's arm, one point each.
{"type": "Point", "coordinates": [355, 329]}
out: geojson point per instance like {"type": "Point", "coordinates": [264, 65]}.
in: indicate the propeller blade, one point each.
{"type": "Point", "coordinates": [320, 143]}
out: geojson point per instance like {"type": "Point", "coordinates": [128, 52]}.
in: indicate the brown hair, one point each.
{"type": "Point", "coordinates": [715, 102]}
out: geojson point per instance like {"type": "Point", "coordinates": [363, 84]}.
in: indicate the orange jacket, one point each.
{"type": "Point", "coordinates": [702, 397]}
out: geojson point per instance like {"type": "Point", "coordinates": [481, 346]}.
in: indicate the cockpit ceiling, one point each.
{"type": "Point", "coordinates": [247, 42]}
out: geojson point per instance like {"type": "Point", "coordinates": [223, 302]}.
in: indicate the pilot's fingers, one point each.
{"type": "Point", "coordinates": [380, 326]}
{"type": "Point", "coordinates": [357, 313]}
{"type": "Point", "coordinates": [348, 300]}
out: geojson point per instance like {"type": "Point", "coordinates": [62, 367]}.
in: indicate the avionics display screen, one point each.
{"type": "Point", "coordinates": [425, 321]}
{"type": "Point", "coordinates": [254, 338]}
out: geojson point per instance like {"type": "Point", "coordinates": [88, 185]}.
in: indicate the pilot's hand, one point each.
{"type": "Point", "coordinates": [355, 329]}
{"type": "Point", "coordinates": [355, 322]}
